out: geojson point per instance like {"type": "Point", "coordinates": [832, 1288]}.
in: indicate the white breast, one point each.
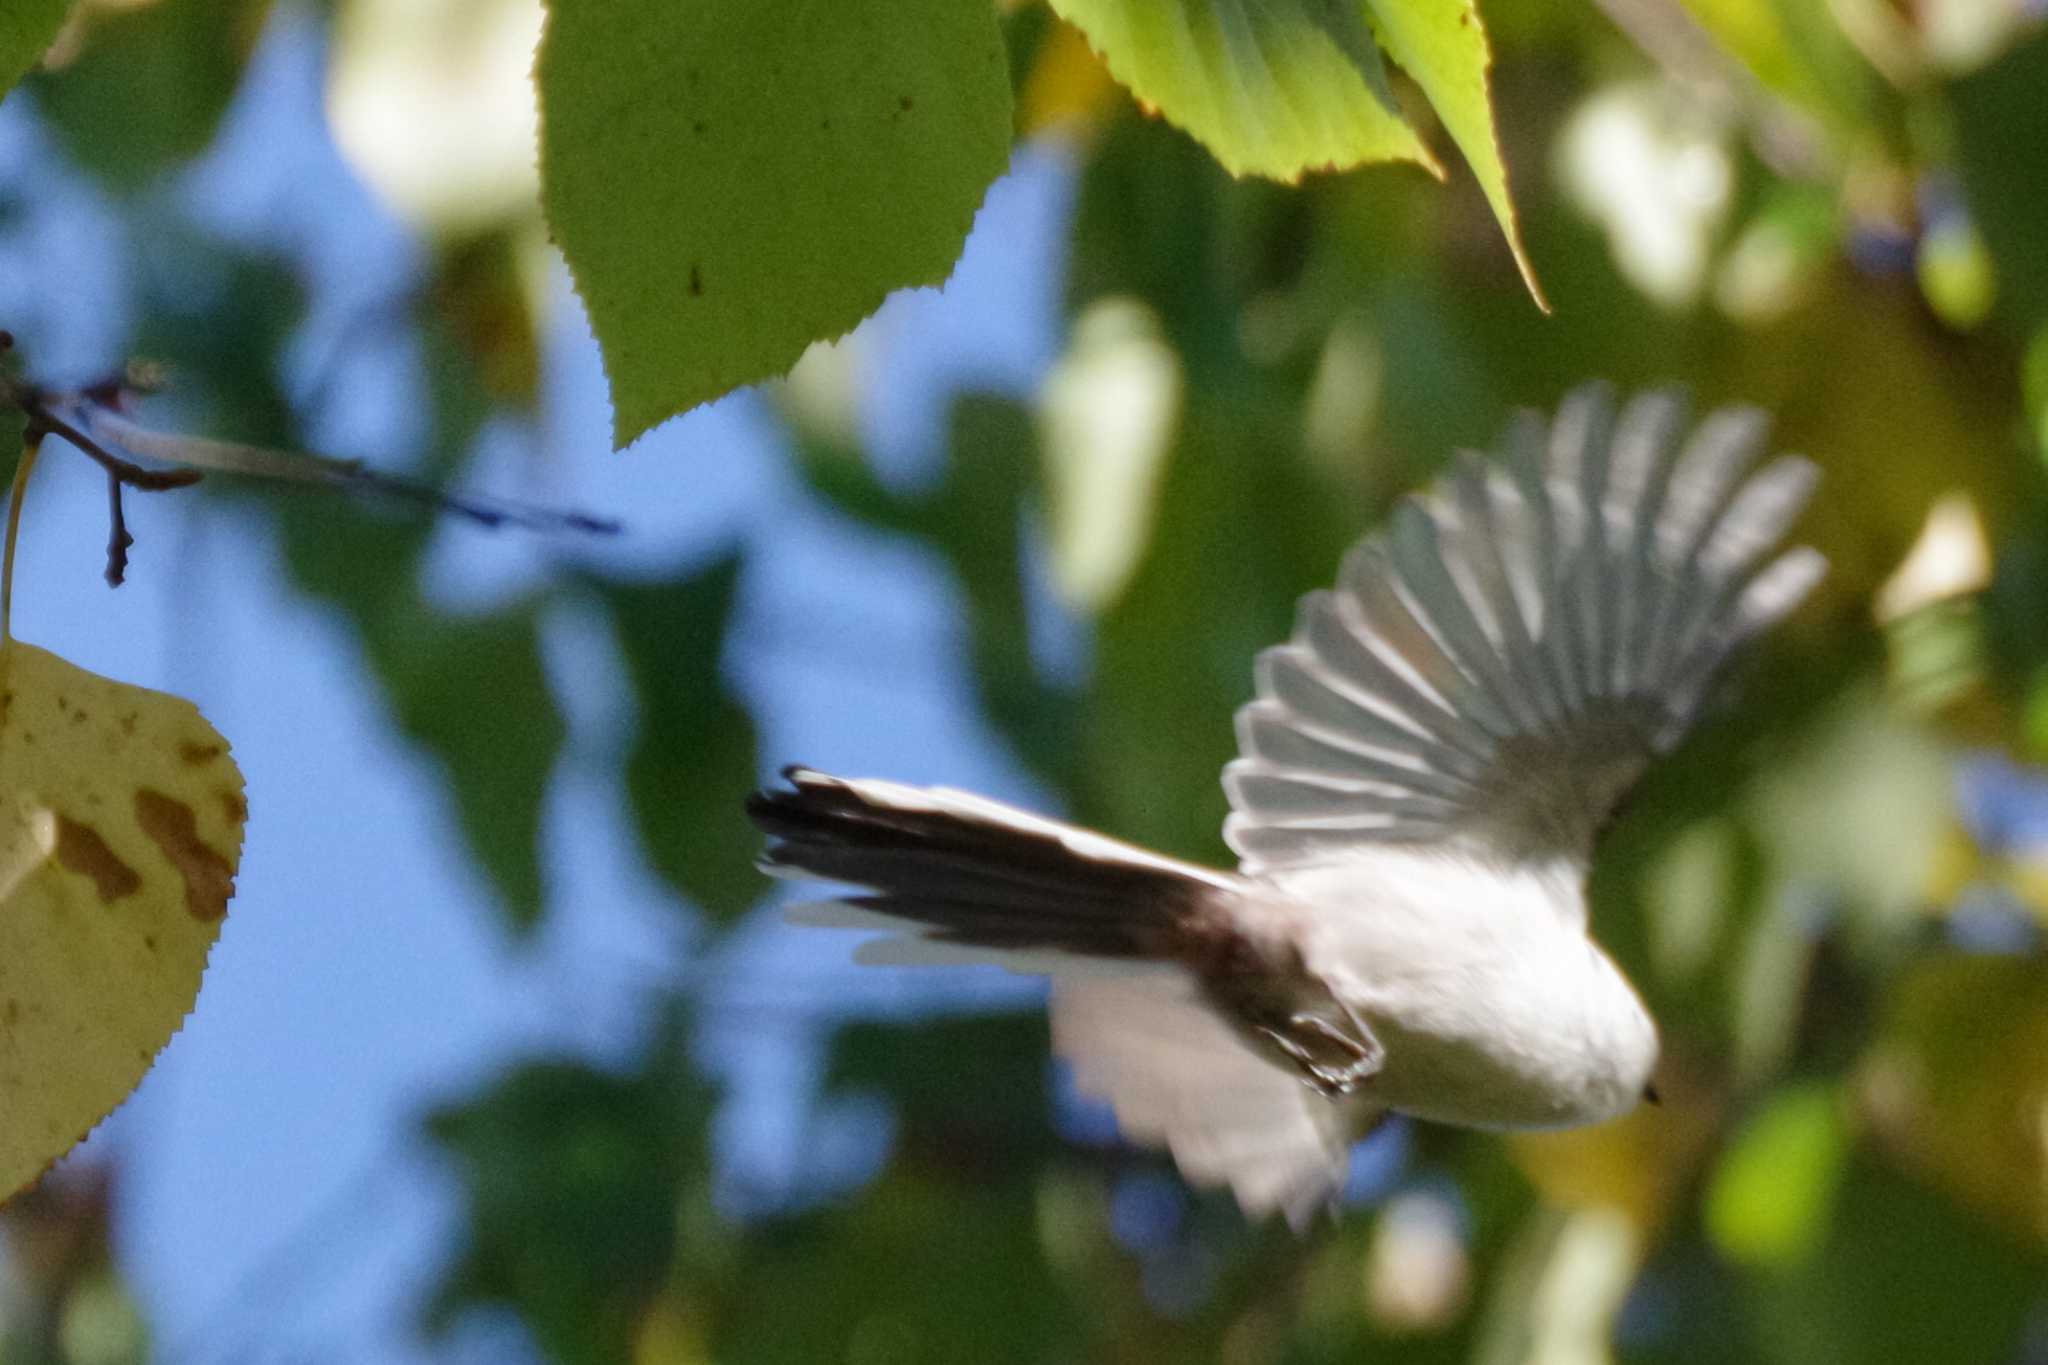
{"type": "Point", "coordinates": [1495, 1008]}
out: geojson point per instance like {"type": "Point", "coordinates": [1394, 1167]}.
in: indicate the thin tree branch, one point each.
{"type": "Point", "coordinates": [126, 471]}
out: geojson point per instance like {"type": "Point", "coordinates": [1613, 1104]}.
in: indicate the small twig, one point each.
{"type": "Point", "coordinates": [42, 422]}
{"type": "Point", "coordinates": [91, 420]}
{"type": "Point", "coordinates": [118, 539]}
{"type": "Point", "coordinates": [120, 473]}
{"type": "Point", "coordinates": [126, 471]}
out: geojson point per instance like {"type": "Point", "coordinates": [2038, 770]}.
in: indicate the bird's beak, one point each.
{"type": "Point", "coordinates": [1650, 1093]}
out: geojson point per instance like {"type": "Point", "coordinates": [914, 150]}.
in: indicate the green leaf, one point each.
{"type": "Point", "coordinates": [2002, 153]}
{"type": "Point", "coordinates": [473, 692]}
{"type": "Point", "coordinates": [1444, 48]}
{"type": "Point", "coordinates": [1904, 1275]}
{"type": "Point", "coordinates": [1274, 88]}
{"type": "Point", "coordinates": [27, 28]}
{"type": "Point", "coordinates": [926, 1068]}
{"type": "Point", "coordinates": [695, 756]}
{"type": "Point", "coordinates": [945, 1258]}
{"type": "Point", "coordinates": [1282, 87]}
{"type": "Point", "coordinates": [731, 180]}
{"type": "Point", "coordinates": [1800, 52]}
{"type": "Point", "coordinates": [571, 1177]}
{"type": "Point", "coordinates": [150, 87]}
{"type": "Point", "coordinates": [1770, 1201]}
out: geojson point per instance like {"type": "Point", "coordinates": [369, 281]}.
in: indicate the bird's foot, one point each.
{"type": "Point", "coordinates": [1332, 1062]}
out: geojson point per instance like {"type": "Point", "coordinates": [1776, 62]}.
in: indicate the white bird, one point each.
{"type": "Point", "coordinates": [1422, 778]}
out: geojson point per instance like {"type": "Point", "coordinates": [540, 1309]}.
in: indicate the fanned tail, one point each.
{"type": "Point", "coordinates": [958, 869]}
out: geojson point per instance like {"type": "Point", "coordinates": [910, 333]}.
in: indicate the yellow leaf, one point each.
{"type": "Point", "coordinates": [121, 819]}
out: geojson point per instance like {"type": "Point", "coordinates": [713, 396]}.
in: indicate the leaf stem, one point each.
{"type": "Point", "coordinates": [31, 446]}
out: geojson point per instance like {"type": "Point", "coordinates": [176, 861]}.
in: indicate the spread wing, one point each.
{"type": "Point", "coordinates": [1505, 659]}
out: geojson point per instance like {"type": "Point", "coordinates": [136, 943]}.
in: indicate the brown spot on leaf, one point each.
{"type": "Point", "coordinates": [696, 282]}
{"type": "Point", "coordinates": [172, 827]}
{"type": "Point", "coordinates": [906, 104]}
{"type": "Point", "coordinates": [196, 755]}
{"type": "Point", "coordinates": [81, 850]}
{"type": "Point", "coordinates": [234, 807]}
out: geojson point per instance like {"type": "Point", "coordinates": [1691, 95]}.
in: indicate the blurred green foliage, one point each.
{"type": "Point", "coordinates": [1837, 211]}
{"type": "Point", "coordinates": [145, 85]}
{"type": "Point", "coordinates": [691, 830]}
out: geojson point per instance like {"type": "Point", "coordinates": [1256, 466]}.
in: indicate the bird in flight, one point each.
{"type": "Point", "coordinates": [1422, 778]}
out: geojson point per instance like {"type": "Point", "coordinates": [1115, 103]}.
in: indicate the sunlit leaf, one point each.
{"type": "Point", "coordinates": [1770, 1197]}
{"type": "Point", "coordinates": [1271, 89]}
{"type": "Point", "coordinates": [730, 185]}
{"type": "Point", "coordinates": [121, 821]}
{"type": "Point", "coordinates": [26, 31]}
{"type": "Point", "coordinates": [1956, 273]}
{"type": "Point", "coordinates": [1799, 52]}
{"type": "Point", "coordinates": [1289, 86]}
{"type": "Point", "coordinates": [1444, 48]}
